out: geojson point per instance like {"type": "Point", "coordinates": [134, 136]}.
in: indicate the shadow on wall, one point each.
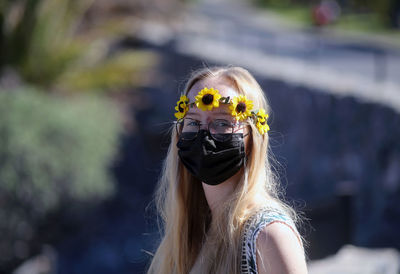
{"type": "Point", "coordinates": [339, 156]}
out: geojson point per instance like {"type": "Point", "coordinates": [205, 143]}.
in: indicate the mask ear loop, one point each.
{"type": "Point", "coordinates": [245, 160]}
{"type": "Point", "coordinates": [246, 174]}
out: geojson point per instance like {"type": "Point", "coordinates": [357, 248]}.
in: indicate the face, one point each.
{"type": "Point", "coordinates": [222, 112]}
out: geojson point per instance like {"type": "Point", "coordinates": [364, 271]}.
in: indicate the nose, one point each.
{"type": "Point", "coordinates": [204, 126]}
{"type": "Point", "coordinates": [204, 123]}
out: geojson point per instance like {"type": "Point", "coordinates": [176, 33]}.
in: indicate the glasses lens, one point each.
{"type": "Point", "coordinates": [221, 130]}
{"type": "Point", "coordinates": [190, 128]}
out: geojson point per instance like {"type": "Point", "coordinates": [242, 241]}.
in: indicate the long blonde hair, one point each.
{"type": "Point", "coordinates": [186, 220]}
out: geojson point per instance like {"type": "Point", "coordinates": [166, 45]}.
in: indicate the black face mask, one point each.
{"type": "Point", "coordinates": [212, 161]}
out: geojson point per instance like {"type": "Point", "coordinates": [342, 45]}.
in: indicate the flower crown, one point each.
{"type": "Point", "coordinates": [240, 107]}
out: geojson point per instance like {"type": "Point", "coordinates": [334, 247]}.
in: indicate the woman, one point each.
{"type": "Point", "coordinates": [217, 195]}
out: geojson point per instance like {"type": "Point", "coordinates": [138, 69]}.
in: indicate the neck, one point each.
{"type": "Point", "coordinates": [215, 194]}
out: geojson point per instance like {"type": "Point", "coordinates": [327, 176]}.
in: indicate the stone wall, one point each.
{"type": "Point", "coordinates": [338, 158]}
{"type": "Point", "coordinates": [338, 162]}
{"type": "Point", "coordinates": [342, 157]}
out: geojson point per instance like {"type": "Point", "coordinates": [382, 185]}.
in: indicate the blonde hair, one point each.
{"type": "Point", "coordinates": [186, 220]}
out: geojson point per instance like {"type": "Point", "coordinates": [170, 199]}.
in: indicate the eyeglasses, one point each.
{"type": "Point", "coordinates": [219, 129]}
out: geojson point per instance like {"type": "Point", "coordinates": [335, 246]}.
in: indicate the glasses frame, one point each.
{"type": "Point", "coordinates": [233, 125]}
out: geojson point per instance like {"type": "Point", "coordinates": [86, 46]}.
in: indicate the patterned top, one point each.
{"type": "Point", "coordinates": [252, 228]}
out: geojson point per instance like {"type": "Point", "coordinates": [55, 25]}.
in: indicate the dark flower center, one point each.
{"type": "Point", "coordinates": [181, 109]}
{"type": "Point", "coordinates": [241, 107]}
{"type": "Point", "coordinates": [207, 99]}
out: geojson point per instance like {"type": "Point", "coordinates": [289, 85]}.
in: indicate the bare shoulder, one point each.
{"type": "Point", "coordinates": [279, 250]}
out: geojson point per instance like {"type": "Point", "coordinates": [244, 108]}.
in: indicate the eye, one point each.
{"type": "Point", "coordinates": [192, 123]}
{"type": "Point", "coordinates": [221, 123]}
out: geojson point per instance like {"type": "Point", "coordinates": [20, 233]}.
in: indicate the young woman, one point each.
{"type": "Point", "coordinates": [217, 195]}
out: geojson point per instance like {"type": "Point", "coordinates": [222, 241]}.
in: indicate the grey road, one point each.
{"type": "Point", "coordinates": [233, 32]}
{"type": "Point", "coordinates": [244, 26]}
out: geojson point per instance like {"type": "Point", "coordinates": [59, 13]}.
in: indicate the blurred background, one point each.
{"type": "Point", "coordinates": [87, 94]}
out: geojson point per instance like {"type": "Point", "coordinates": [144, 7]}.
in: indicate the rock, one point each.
{"type": "Point", "coordinates": [44, 263]}
{"type": "Point", "coordinates": [351, 260]}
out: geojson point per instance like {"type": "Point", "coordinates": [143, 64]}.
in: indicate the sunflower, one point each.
{"type": "Point", "coordinates": [182, 107]}
{"type": "Point", "coordinates": [207, 99]}
{"type": "Point", "coordinates": [241, 107]}
{"type": "Point", "coordinates": [262, 121]}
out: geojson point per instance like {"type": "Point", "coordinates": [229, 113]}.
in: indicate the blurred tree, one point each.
{"type": "Point", "coordinates": [53, 155]}
{"type": "Point", "coordinates": [394, 14]}
{"type": "Point", "coordinates": [40, 39]}
{"type": "Point", "coordinates": [386, 11]}
{"type": "Point", "coordinates": [55, 151]}
{"type": "Point", "coordinates": [285, 3]}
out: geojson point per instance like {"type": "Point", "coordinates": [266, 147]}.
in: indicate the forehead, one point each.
{"type": "Point", "coordinates": [222, 86]}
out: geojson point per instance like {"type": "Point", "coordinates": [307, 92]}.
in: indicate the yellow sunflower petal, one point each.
{"type": "Point", "coordinates": [207, 99]}
{"type": "Point", "coordinates": [241, 107]}
{"type": "Point", "coordinates": [184, 98]}
{"type": "Point", "coordinates": [261, 124]}
{"type": "Point", "coordinates": [181, 107]}
{"type": "Point", "coordinates": [261, 112]}
{"type": "Point", "coordinates": [179, 115]}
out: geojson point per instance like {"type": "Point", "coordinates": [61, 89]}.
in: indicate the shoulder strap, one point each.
{"type": "Point", "coordinates": [252, 228]}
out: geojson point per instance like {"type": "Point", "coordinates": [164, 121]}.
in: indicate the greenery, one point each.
{"type": "Point", "coordinates": [46, 43]}
{"type": "Point", "coordinates": [295, 12]}
{"type": "Point", "coordinates": [54, 153]}
{"type": "Point", "coordinates": [58, 138]}
{"type": "Point", "coordinates": [125, 68]}
{"type": "Point", "coordinates": [364, 16]}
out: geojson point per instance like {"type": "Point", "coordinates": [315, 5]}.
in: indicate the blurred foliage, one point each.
{"type": "Point", "coordinates": [54, 153]}
{"type": "Point", "coordinates": [56, 146]}
{"type": "Point", "coordinates": [367, 22]}
{"type": "Point", "coordinates": [365, 15]}
{"type": "Point", "coordinates": [41, 39]}
{"type": "Point", "coordinates": [386, 11]}
{"type": "Point", "coordinates": [294, 11]}
{"type": "Point", "coordinates": [114, 73]}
